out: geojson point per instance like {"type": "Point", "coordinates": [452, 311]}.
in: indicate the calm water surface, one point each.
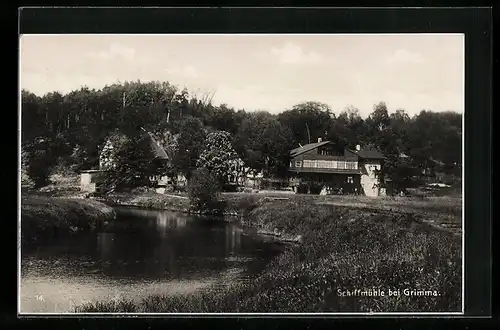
{"type": "Point", "coordinates": [142, 252]}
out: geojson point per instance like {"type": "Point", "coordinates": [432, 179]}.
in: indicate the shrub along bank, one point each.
{"type": "Point", "coordinates": [348, 261]}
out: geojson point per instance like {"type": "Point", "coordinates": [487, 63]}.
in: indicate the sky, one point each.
{"type": "Point", "coordinates": [260, 72]}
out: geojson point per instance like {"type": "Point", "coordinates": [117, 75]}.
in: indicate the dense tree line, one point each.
{"type": "Point", "coordinates": [72, 128]}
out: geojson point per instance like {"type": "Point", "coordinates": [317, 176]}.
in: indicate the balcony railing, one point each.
{"type": "Point", "coordinates": [324, 164]}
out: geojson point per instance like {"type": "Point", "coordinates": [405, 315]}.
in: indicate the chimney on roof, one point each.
{"type": "Point", "coordinates": [319, 140]}
{"type": "Point", "coordinates": [358, 147]}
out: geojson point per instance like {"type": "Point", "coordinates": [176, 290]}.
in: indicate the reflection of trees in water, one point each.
{"type": "Point", "coordinates": [135, 212]}
{"type": "Point", "coordinates": [164, 256]}
{"type": "Point", "coordinates": [104, 245]}
{"type": "Point", "coordinates": [158, 222]}
{"type": "Point", "coordinates": [152, 245]}
{"type": "Point", "coordinates": [155, 244]}
{"type": "Point", "coordinates": [233, 240]}
{"type": "Point", "coordinates": [167, 220]}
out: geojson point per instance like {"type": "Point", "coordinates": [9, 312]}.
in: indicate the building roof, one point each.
{"type": "Point", "coordinates": [306, 148]}
{"type": "Point", "coordinates": [158, 150]}
{"type": "Point", "coordinates": [368, 153]}
{"type": "Point", "coordinates": [363, 153]}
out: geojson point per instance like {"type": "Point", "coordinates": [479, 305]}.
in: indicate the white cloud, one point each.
{"type": "Point", "coordinates": [404, 56]}
{"type": "Point", "coordinates": [291, 53]}
{"type": "Point", "coordinates": [118, 51]}
{"type": "Point", "coordinates": [187, 71]}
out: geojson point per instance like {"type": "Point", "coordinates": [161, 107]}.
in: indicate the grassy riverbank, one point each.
{"type": "Point", "coordinates": [442, 212]}
{"type": "Point", "coordinates": [234, 202]}
{"type": "Point", "coordinates": [343, 249]}
{"type": "Point", "coordinates": [43, 217]}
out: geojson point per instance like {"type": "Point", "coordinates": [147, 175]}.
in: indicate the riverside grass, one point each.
{"type": "Point", "coordinates": [42, 218]}
{"type": "Point", "coordinates": [243, 202]}
{"type": "Point", "coordinates": [343, 249]}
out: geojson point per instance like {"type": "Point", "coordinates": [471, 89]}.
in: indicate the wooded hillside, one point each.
{"type": "Point", "coordinates": [71, 128]}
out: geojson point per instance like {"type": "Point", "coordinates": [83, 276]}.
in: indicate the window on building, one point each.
{"type": "Point", "coordinates": [310, 163]}
{"type": "Point", "coordinates": [341, 164]}
{"type": "Point", "coordinates": [324, 164]}
{"type": "Point", "coordinates": [351, 165]}
{"type": "Point", "coordinates": [350, 179]}
{"type": "Point", "coordinates": [325, 152]}
{"type": "Point", "coordinates": [298, 163]}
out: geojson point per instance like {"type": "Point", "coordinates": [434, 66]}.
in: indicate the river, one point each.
{"type": "Point", "coordinates": [142, 252]}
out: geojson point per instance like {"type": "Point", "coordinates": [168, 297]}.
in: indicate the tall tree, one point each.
{"type": "Point", "coordinates": [308, 121]}
{"type": "Point", "coordinates": [399, 125]}
{"type": "Point", "coordinates": [349, 128]}
{"type": "Point", "coordinates": [190, 143]}
{"type": "Point", "coordinates": [223, 118]}
{"type": "Point", "coordinates": [266, 143]}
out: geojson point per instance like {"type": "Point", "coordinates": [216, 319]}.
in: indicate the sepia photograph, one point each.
{"type": "Point", "coordinates": [241, 173]}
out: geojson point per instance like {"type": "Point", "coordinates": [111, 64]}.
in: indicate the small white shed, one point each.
{"type": "Point", "coordinates": [89, 179]}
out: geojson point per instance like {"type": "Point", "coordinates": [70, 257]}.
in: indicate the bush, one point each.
{"type": "Point", "coordinates": [39, 168]}
{"type": "Point", "coordinates": [275, 184]}
{"type": "Point", "coordinates": [302, 188]}
{"type": "Point", "coordinates": [62, 167]}
{"type": "Point", "coordinates": [230, 188]}
{"type": "Point", "coordinates": [244, 204]}
{"type": "Point", "coordinates": [315, 187]}
{"type": "Point", "coordinates": [203, 190]}
{"type": "Point", "coordinates": [142, 190]}
{"type": "Point", "coordinates": [25, 178]}
{"type": "Point", "coordinates": [40, 156]}
{"type": "Point", "coordinates": [179, 188]}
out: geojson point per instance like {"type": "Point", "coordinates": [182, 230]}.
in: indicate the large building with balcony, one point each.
{"type": "Point", "coordinates": [339, 169]}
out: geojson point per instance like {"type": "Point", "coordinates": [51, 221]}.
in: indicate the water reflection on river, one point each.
{"type": "Point", "coordinates": [141, 253]}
